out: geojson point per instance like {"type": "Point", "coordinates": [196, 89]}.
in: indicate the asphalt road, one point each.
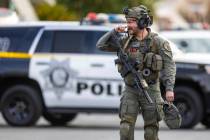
{"type": "Point", "coordinates": [93, 127]}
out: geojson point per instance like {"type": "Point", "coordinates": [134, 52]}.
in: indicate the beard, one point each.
{"type": "Point", "coordinates": [132, 31]}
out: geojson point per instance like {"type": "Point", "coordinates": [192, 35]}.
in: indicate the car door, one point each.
{"type": "Point", "coordinates": [73, 73]}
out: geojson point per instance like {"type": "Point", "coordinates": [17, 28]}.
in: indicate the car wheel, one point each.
{"type": "Point", "coordinates": [190, 107]}
{"type": "Point", "coordinates": [21, 106]}
{"type": "Point", "coordinates": [59, 119]}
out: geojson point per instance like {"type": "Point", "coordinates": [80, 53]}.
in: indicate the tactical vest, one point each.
{"type": "Point", "coordinates": [148, 59]}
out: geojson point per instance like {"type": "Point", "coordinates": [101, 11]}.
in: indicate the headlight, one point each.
{"type": "Point", "coordinates": [207, 68]}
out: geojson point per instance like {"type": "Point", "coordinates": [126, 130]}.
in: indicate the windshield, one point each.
{"type": "Point", "coordinates": [200, 45]}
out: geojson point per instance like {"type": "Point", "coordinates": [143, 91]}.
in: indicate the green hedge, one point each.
{"type": "Point", "coordinates": [56, 12]}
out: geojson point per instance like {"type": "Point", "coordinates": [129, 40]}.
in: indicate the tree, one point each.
{"type": "Point", "coordinates": [56, 12]}
{"type": "Point", "coordinates": [82, 7]}
{"type": "Point", "coordinates": [4, 3]}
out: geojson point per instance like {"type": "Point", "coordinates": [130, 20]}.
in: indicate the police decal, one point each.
{"type": "Point", "coordinates": [4, 44]}
{"type": "Point", "coordinates": [58, 77]}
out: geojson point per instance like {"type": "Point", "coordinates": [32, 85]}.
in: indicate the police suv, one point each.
{"type": "Point", "coordinates": [190, 41]}
{"type": "Point", "coordinates": [56, 71]}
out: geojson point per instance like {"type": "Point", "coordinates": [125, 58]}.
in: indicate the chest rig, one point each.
{"type": "Point", "coordinates": [146, 54]}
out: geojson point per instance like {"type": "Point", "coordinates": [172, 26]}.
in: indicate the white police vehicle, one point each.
{"type": "Point", "coordinates": [190, 41]}
{"type": "Point", "coordinates": [55, 70]}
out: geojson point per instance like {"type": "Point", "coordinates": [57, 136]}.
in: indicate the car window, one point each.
{"type": "Point", "coordinates": [17, 39]}
{"type": "Point", "coordinates": [45, 43]}
{"type": "Point", "coordinates": [193, 45]}
{"type": "Point", "coordinates": [77, 42]}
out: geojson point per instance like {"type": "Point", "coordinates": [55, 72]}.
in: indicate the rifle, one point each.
{"type": "Point", "coordinates": [129, 66]}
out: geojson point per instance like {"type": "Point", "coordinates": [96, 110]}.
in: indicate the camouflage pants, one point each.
{"type": "Point", "coordinates": [131, 103]}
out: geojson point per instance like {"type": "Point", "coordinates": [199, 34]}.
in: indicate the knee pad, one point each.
{"type": "Point", "coordinates": [125, 129]}
{"type": "Point", "coordinates": [151, 133]}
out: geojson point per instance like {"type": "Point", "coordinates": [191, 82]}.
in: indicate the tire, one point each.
{"type": "Point", "coordinates": [21, 106]}
{"type": "Point", "coordinates": [190, 106]}
{"type": "Point", "coordinates": [206, 121]}
{"type": "Point", "coordinates": [59, 119]}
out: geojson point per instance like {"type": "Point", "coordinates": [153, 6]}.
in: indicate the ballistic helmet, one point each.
{"type": "Point", "coordinates": [141, 13]}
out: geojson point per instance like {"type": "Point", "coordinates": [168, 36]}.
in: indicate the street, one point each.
{"type": "Point", "coordinates": [93, 127]}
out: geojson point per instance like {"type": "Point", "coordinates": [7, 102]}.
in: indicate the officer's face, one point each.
{"type": "Point", "coordinates": [132, 25]}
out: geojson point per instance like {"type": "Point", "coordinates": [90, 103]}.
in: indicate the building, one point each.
{"type": "Point", "coordinates": [183, 14]}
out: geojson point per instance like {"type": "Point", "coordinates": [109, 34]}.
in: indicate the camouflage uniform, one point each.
{"type": "Point", "coordinates": [154, 55]}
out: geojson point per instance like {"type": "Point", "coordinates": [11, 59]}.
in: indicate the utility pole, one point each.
{"type": "Point", "coordinates": [25, 10]}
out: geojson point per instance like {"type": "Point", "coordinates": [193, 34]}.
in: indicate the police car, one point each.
{"type": "Point", "coordinates": [190, 41]}
{"type": "Point", "coordinates": [55, 71]}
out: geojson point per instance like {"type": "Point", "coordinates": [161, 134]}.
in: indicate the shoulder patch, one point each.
{"type": "Point", "coordinates": [167, 46]}
{"type": "Point", "coordinates": [166, 49]}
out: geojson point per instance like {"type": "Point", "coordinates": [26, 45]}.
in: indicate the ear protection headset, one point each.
{"type": "Point", "coordinates": [144, 21]}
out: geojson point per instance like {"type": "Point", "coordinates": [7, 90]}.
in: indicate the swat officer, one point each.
{"type": "Point", "coordinates": [153, 55]}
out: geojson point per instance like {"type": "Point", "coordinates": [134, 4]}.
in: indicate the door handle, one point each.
{"type": "Point", "coordinates": [97, 65]}
{"type": "Point", "coordinates": [42, 63]}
